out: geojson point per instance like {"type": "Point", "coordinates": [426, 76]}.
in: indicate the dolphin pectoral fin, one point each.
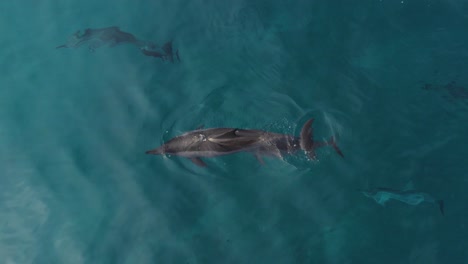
{"type": "Point", "coordinates": [441, 206]}
{"type": "Point", "coordinates": [259, 158]}
{"type": "Point", "coordinates": [198, 162]}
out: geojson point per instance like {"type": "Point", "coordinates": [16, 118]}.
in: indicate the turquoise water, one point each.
{"type": "Point", "coordinates": [76, 186]}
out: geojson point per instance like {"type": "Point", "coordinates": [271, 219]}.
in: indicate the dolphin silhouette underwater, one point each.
{"type": "Point", "coordinates": [411, 197]}
{"type": "Point", "coordinates": [166, 52]}
{"type": "Point", "coordinates": [214, 142]}
{"type": "Point", "coordinates": [98, 37]}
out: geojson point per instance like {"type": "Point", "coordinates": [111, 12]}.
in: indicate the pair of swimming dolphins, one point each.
{"type": "Point", "coordinates": [214, 142]}
{"type": "Point", "coordinates": [113, 36]}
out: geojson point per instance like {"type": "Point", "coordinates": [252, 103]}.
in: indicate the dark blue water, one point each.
{"type": "Point", "coordinates": [387, 78]}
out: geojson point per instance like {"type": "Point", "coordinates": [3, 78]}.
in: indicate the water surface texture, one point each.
{"type": "Point", "coordinates": [387, 78]}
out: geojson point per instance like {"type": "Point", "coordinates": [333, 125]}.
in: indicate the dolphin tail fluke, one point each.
{"type": "Point", "coordinates": [167, 48]}
{"type": "Point", "coordinates": [177, 55]}
{"type": "Point", "coordinates": [306, 142]}
{"type": "Point", "coordinates": [332, 142]}
{"type": "Point", "coordinates": [441, 206]}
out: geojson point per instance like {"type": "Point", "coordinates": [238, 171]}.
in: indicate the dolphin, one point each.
{"type": "Point", "coordinates": [166, 52]}
{"type": "Point", "coordinates": [214, 142]}
{"type": "Point", "coordinates": [411, 197]}
{"type": "Point", "coordinates": [111, 36]}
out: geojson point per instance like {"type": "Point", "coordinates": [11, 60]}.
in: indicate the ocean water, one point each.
{"type": "Point", "coordinates": [386, 77]}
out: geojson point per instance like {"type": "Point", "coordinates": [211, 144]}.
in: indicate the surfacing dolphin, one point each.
{"type": "Point", "coordinates": [111, 36]}
{"type": "Point", "coordinates": [411, 197]}
{"type": "Point", "coordinates": [214, 142]}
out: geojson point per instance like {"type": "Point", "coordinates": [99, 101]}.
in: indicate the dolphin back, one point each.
{"type": "Point", "coordinates": [235, 138]}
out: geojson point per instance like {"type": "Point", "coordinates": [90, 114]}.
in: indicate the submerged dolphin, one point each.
{"type": "Point", "coordinates": [166, 52]}
{"type": "Point", "coordinates": [102, 36]}
{"type": "Point", "coordinates": [167, 48]}
{"type": "Point", "coordinates": [411, 197]}
{"type": "Point", "coordinates": [214, 142]}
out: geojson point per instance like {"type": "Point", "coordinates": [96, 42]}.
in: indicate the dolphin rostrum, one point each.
{"type": "Point", "coordinates": [214, 142]}
{"type": "Point", "coordinates": [102, 36]}
{"type": "Point", "coordinates": [411, 197]}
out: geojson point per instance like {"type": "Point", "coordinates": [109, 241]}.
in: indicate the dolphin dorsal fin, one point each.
{"type": "Point", "coordinates": [224, 136]}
